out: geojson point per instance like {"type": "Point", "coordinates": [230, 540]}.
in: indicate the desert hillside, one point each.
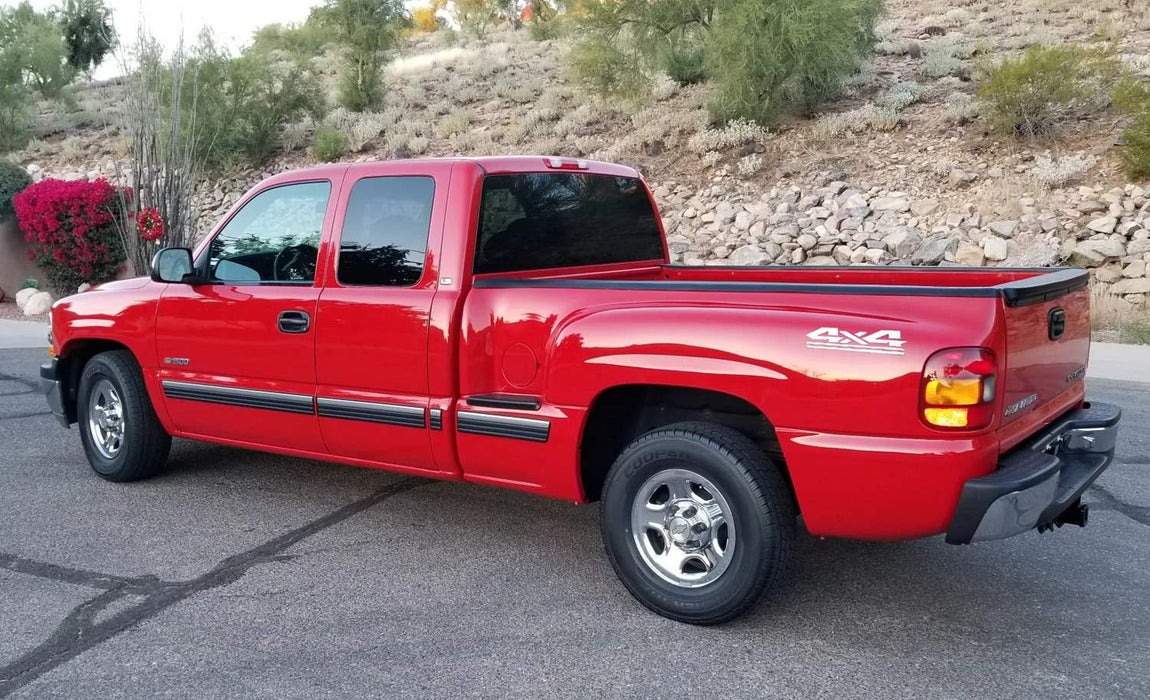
{"type": "Point", "coordinates": [901, 168]}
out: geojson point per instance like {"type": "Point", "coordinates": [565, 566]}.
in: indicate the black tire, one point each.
{"type": "Point", "coordinates": [762, 511]}
{"type": "Point", "coordinates": [145, 443]}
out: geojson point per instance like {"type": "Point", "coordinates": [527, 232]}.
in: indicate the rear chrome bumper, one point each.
{"type": "Point", "coordinates": [1040, 480]}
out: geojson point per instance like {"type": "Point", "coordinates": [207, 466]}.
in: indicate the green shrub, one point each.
{"type": "Point", "coordinates": [303, 41]}
{"type": "Point", "coordinates": [771, 56]}
{"type": "Point", "coordinates": [13, 180]}
{"type": "Point", "coordinates": [1033, 94]}
{"type": "Point", "coordinates": [683, 61]}
{"type": "Point", "coordinates": [330, 145]}
{"type": "Point", "coordinates": [606, 68]}
{"type": "Point", "coordinates": [1133, 96]}
{"type": "Point", "coordinates": [31, 283]}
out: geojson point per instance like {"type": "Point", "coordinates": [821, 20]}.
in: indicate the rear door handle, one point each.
{"type": "Point", "coordinates": [294, 322]}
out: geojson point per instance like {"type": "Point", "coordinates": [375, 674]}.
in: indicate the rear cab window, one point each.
{"type": "Point", "coordinates": [540, 221]}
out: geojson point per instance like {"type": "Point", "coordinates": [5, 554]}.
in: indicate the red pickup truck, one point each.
{"type": "Point", "coordinates": [515, 322]}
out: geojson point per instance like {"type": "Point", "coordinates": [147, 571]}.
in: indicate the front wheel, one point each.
{"type": "Point", "coordinates": [121, 434]}
{"type": "Point", "coordinates": [697, 521]}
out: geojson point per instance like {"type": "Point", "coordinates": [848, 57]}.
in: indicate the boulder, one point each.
{"type": "Point", "coordinates": [1132, 286]}
{"type": "Point", "coordinates": [750, 255]}
{"type": "Point", "coordinates": [1003, 229]}
{"type": "Point", "coordinates": [902, 241]}
{"type": "Point", "coordinates": [924, 207]}
{"type": "Point", "coordinates": [1105, 224]}
{"type": "Point", "coordinates": [1106, 247]}
{"type": "Point", "coordinates": [24, 295]}
{"type": "Point", "coordinates": [1139, 247]}
{"type": "Point", "coordinates": [933, 251]}
{"type": "Point", "coordinates": [969, 254]}
{"type": "Point", "coordinates": [890, 204]}
{"type": "Point", "coordinates": [807, 241]}
{"type": "Point", "coordinates": [38, 304]}
{"type": "Point", "coordinates": [995, 248]}
{"type": "Point", "coordinates": [1135, 269]}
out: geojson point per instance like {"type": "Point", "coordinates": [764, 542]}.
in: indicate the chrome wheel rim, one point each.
{"type": "Point", "coordinates": [682, 526]}
{"type": "Point", "coordinates": [106, 419]}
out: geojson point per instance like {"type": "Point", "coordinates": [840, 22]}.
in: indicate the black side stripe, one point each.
{"type": "Point", "coordinates": [533, 429]}
{"type": "Point", "coordinates": [511, 401]}
{"type": "Point", "coordinates": [234, 396]}
{"type": "Point", "coordinates": [372, 412]}
{"type": "Point", "coordinates": [437, 419]}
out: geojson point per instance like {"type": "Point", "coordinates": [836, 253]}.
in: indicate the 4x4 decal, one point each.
{"type": "Point", "coordinates": [879, 342]}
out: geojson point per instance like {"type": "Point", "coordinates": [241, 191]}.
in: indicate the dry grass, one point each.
{"type": "Point", "coordinates": [1114, 318]}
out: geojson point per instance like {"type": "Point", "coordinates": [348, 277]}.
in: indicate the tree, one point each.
{"type": "Point", "coordinates": [88, 32]}
{"type": "Point", "coordinates": [367, 31]}
{"type": "Point", "coordinates": [32, 46]}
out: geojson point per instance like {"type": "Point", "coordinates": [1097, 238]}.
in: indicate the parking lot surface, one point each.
{"type": "Point", "coordinates": [236, 573]}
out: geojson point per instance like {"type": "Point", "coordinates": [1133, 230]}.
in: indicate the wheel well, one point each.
{"type": "Point", "coordinates": [623, 413]}
{"type": "Point", "coordinates": [71, 365]}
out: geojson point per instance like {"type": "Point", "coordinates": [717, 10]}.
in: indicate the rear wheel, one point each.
{"type": "Point", "coordinates": [697, 521]}
{"type": "Point", "coordinates": [121, 434]}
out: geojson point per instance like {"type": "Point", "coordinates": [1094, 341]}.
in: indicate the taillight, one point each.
{"type": "Point", "coordinates": [958, 389]}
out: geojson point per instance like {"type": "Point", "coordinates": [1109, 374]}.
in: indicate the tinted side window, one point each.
{"type": "Point", "coordinates": [384, 240]}
{"type": "Point", "coordinates": [273, 238]}
{"type": "Point", "coordinates": [536, 221]}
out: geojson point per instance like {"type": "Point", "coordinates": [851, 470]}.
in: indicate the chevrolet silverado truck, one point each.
{"type": "Point", "coordinates": [515, 322]}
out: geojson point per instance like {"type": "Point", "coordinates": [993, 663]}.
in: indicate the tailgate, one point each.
{"type": "Point", "coordinates": [1047, 346]}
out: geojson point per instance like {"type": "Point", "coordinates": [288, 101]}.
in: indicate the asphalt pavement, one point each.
{"type": "Point", "coordinates": [238, 574]}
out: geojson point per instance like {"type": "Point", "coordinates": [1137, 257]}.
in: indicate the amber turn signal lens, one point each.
{"type": "Point", "coordinates": [947, 417]}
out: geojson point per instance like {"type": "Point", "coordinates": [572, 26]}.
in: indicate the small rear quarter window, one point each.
{"type": "Point", "coordinates": [538, 221]}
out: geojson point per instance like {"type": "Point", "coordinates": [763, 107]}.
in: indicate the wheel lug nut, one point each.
{"type": "Point", "coordinates": [699, 528]}
{"type": "Point", "coordinates": [690, 512]}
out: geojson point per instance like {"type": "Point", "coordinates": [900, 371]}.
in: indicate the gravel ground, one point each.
{"type": "Point", "coordinates": [243, 574]}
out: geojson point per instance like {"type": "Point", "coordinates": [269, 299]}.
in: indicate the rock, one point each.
{"type": "Point", "coordinates": [23, 296]}
{"type": "Point", "coordinates": [690, 214]}
{"type": "Point", "coordinates": [1132, 286]}
{"type": "Point", "coordinates": [822, 260]}
{"type": "Point", "coordinates": [902, 241]}
{"type": "Point", "coordinates": [890, 204]}
{"type": "Point", "coordinates": [743, 221]}
{"type": "Point", "coordinates": [1135, 269]}
{"type": "Point", "coordinates": [1108, 273]}
{"type": "Point", "coordinates": [874, 256]}
{"type": "Point", "coordinates": [1082, 255]}
{"type": "Point", "coordinates": [969, 254]}
{"type": "Point", "coordinates": [773, 250]}
{"type": "Point", "coordinates": [39, 303]}
{"type": "Point", "coordinates": [995, 248]}
{"type": "Point", "coordinates": [933, 251]}
{"type": "Point", "coordinates": [924, 207]}
{"type": "Point", "coordinates": [725, 212]}
{"type": "Point", "coordinates": [750, 255]}
{"type": "Point", "coordinates": [807, 241]}
{"type": "Point", "coordinates": [1089, 206]}
{"type": "Point", "coordinates": [677, 244]}
{"type": "Point", "coordinates": [1138, 247]}
{"type": "Point", "coordinates": [1106, 224]}
{"type": "Point", "coordinates": [1003, 229]}
{"type": "Point", "coordinates": [1106, 247]}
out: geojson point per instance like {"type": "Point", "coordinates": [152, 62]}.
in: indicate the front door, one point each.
{"type": "Point", "coordinates": [237, 355]}
{"type": "Point", "coordinates": [373, 318]}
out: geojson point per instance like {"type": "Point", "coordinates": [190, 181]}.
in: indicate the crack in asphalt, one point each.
{"type": "Point", "coordinates": [33, 385]}
{"type": "Point", "coordinates": [1139, 514]}
{"type": "Point", "coordinates": [80, 632]}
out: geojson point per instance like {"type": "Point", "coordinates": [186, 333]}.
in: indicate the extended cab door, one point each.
{"type": "Point", "coordinates": [373, 316]}
{"type": "Point", "coordinates": [238, 353]}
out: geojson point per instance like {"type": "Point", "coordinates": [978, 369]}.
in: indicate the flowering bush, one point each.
{"type": "Point", "coordinates": [72, 231]}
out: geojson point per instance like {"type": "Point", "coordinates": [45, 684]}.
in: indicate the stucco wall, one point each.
{"type": "Point", "coordinates": [14, 264]}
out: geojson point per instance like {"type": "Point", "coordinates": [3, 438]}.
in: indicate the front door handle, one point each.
{"type": "Point", "coordinates": [294, 322]}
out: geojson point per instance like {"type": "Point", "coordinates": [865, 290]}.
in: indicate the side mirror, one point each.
{"type": "Point", "coordinates": [174, 265]}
